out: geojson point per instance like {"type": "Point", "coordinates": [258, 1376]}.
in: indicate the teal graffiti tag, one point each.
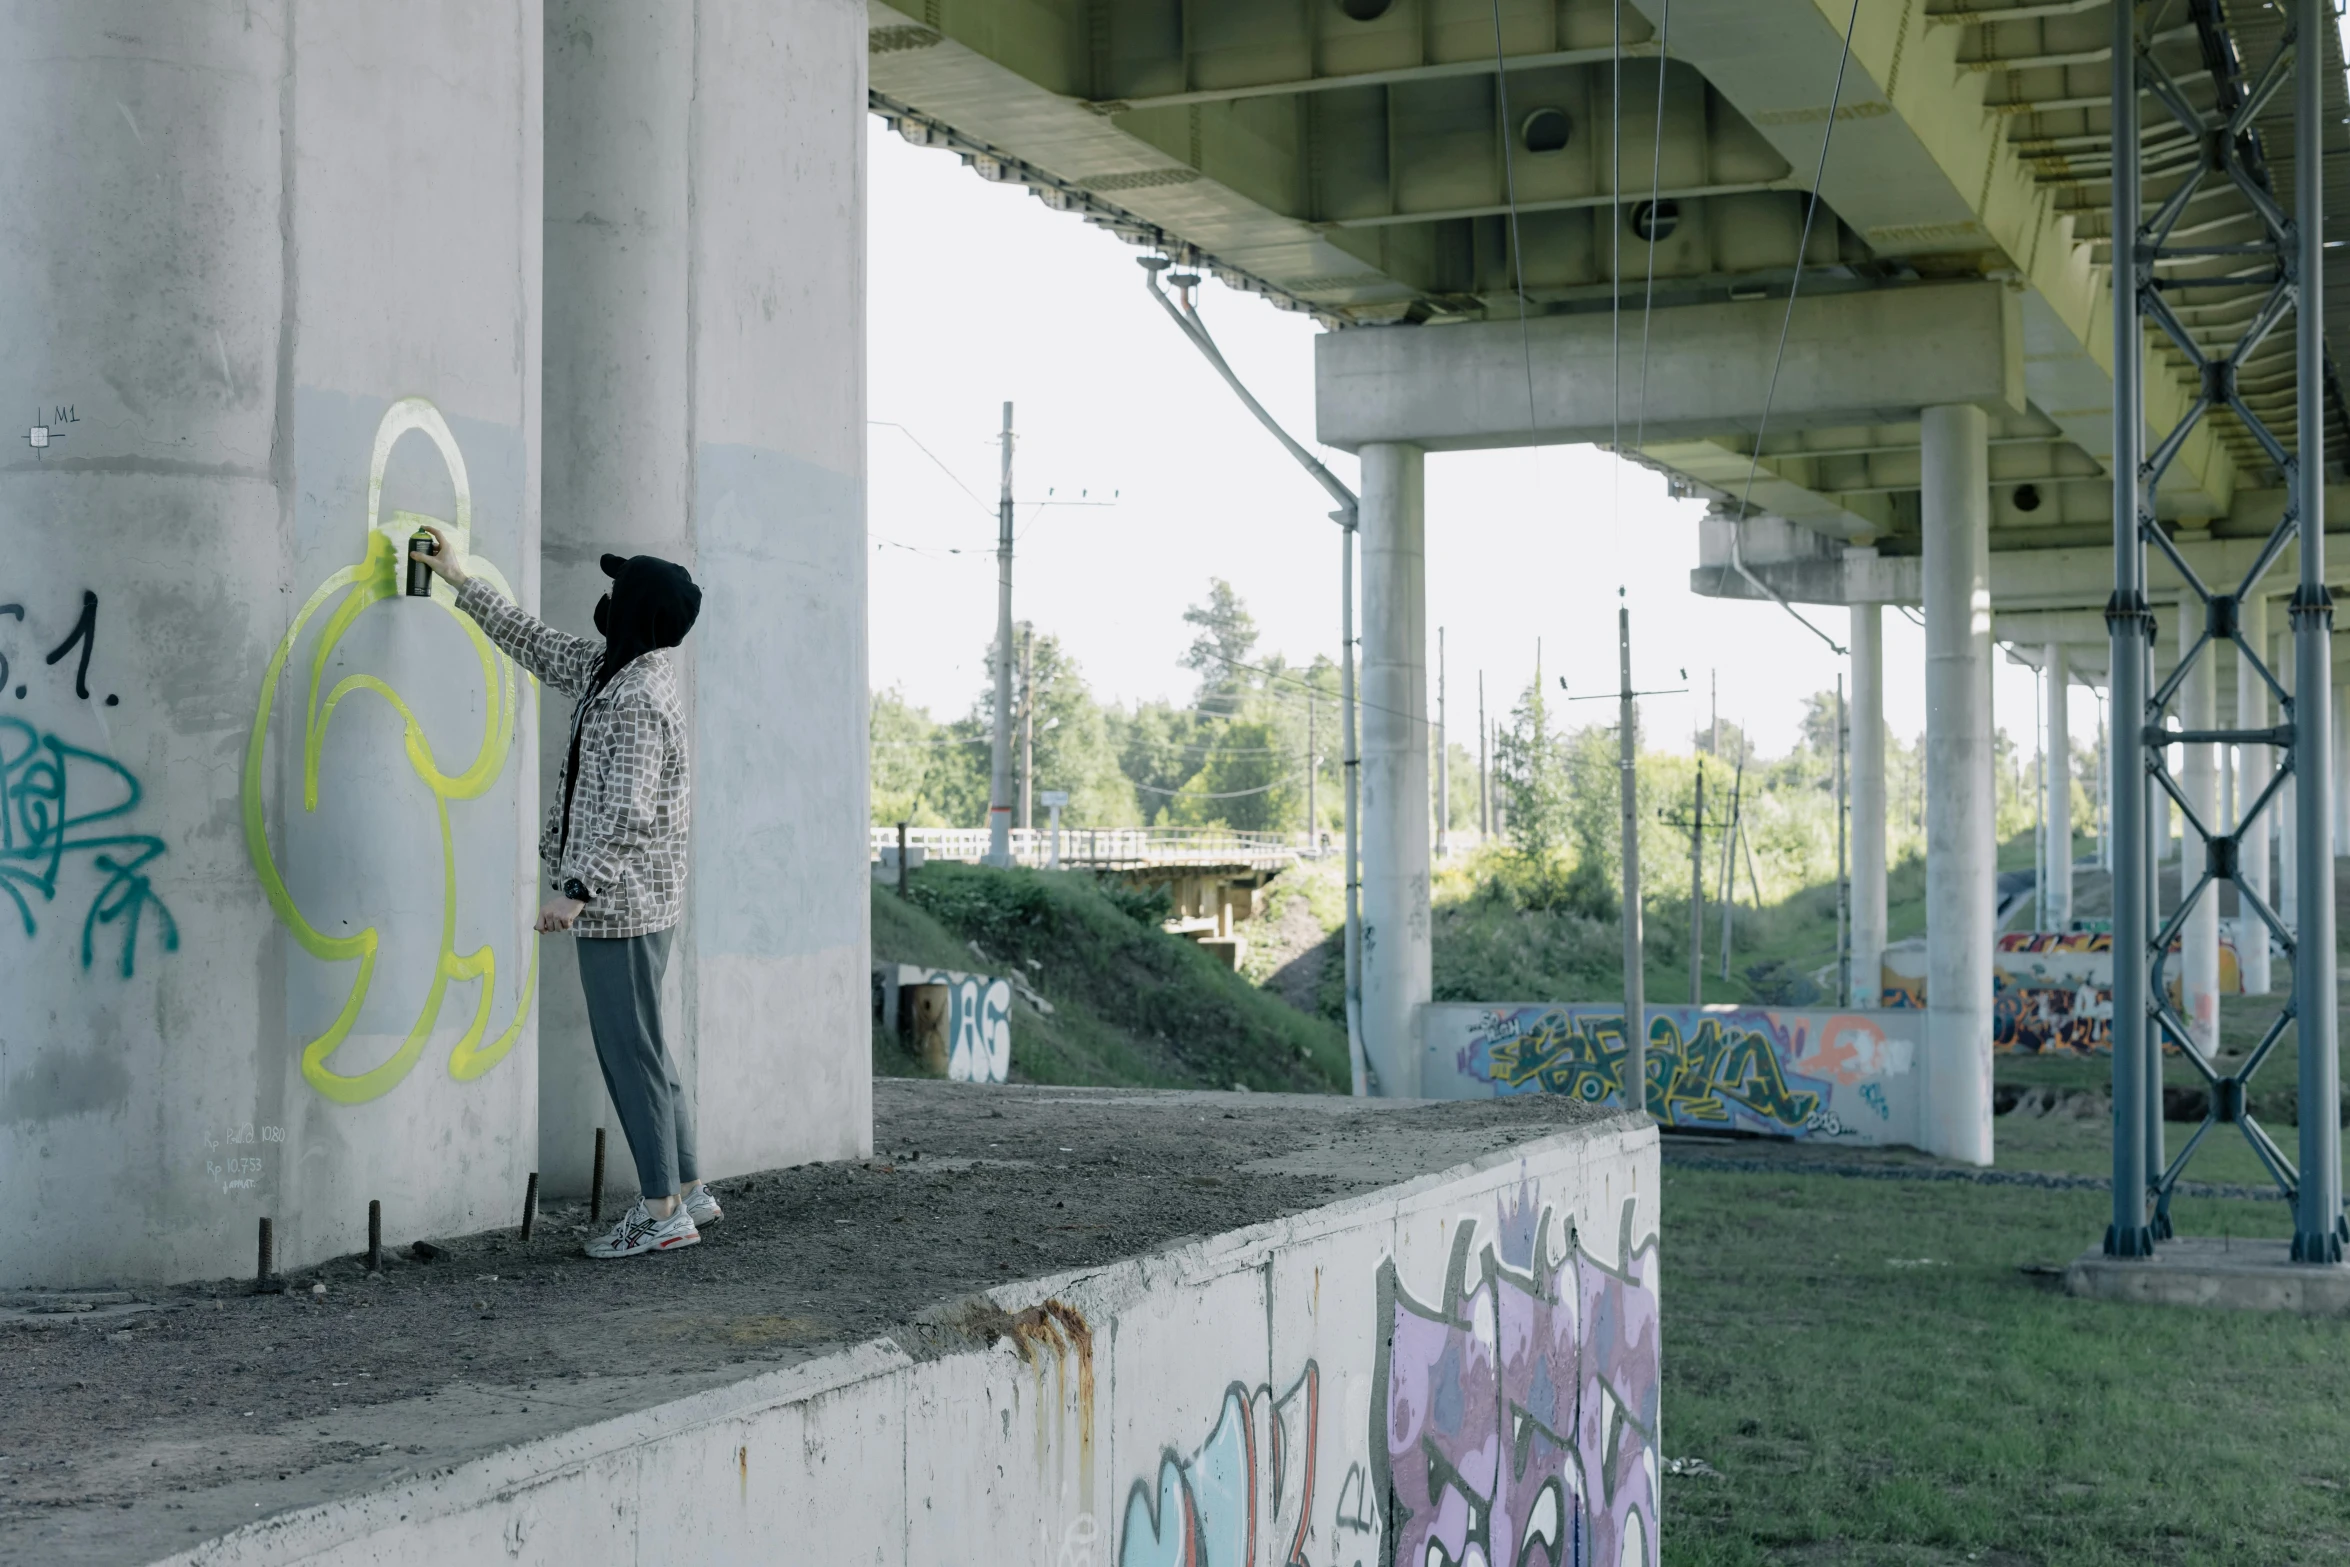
{"type": "Point", "coordinates": [42, 827]}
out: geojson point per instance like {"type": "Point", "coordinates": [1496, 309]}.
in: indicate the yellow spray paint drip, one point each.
{"type": "Point", "coordinates": [373, 578]}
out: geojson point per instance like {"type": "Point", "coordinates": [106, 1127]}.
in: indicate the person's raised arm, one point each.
{"type": "Point", "coordinates": [560, 659]}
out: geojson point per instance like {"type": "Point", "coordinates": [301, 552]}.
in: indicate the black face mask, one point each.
{"type": "Point", "coordinates": [658, 604]}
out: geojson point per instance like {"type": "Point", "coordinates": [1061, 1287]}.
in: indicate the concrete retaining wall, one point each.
{"type": "Point", "coordinates": [1315, 1389]}
{"type": "Point", "coordinates": [271, 284]}
{"type": "Point", "coordinates": [1843, 1076]}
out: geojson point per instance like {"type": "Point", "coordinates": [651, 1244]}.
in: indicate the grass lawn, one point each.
{"type": "Point", "coordinates": [1877, 1382]}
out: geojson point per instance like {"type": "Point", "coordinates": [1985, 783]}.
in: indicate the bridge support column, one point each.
{"type": "Point", "coordinates": [1397, 971]}
{"type": "Point", "coordinates": [2255, 765]}
{"type": "Point", "coordinates": [2287, 902]}
{"type": "Point", "coordinates": [2199, 781]}
{"type": "Point", "coordinates": [1960, 849]}
{"type": "Point", "coordinates": [2056, 749]}
{"type": "Point", "coordinates": [1868, 805]}
{"type": "Point", "coordinates": [739, 451]}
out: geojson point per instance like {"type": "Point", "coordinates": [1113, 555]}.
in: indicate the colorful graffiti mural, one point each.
{"type": "Point", "coordinates": [2051, 990]}
{"type": "Point", "coordinates": [1518, 1414]}
{"type": "Point", "coordinates": [1244, 1497]}
{"type": "Point", "coordinates": [1512, 1420]}
{"type": "Point", "coordinates": [1776, 1071]}
{"type": "Point", "coordinates": [373, 578]}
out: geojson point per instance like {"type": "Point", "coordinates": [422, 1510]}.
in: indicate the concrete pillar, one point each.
{"type": "Point", "coordinates": [1960, 849]}
{"type": "Point", "coordinates": [1868, 805]}
{"type": "Point", "coordinates": [706, 402]}
{"type": "Point", "coordinates": [1397, 975]}
{"type": "Point", "coordinates": [2056, 901]}
{"type": "Point", "coordinates": [2255, 766]}
{"type": "Point", "coordinates": [2198, 965]}
{"type": "Point", "coordinates": [270, 284]}
{"type": "Point", "coordinates": [2341, 755]}
{"type": "Point", "coordinates": [2288, 899]}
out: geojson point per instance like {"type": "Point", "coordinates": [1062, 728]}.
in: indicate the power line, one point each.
{"type": "Point", "coordinates": [1229, 794]}
{"type": "Point", "coordinates": [1656, 183]}
{"type": "Point", "coordinates": [892, 424]}
{"type": "Point", "coordinates": [1509, 179]}
{"type": "Point", "coordinates": [1794, 290]}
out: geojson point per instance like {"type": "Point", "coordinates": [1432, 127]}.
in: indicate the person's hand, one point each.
{"type": "Point", "coordinates": [559, 915]}
{"type": "Point", "coordinates": [445, 565]}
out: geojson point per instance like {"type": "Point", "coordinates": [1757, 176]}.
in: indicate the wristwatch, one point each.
{"type": "Point", "coordinates": [577, 891]}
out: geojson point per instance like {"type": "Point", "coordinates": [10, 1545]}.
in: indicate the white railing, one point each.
{"type": "Point", "coordinates": [1104, 848]}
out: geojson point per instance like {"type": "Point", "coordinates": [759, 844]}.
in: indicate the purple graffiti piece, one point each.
{"type": "Point", "coordinates": [1616, 1424]}
{"type": "Point", "coordinates": [1521, 1412]}
{"type": "Point", "coordinates": [1517, 1217]}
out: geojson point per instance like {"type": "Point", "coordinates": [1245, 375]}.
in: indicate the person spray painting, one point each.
{"type": "Point", "coordinates": [615, 853]}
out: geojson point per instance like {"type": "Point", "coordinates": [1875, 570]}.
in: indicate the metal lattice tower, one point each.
{"type": "Point", "coordinates": [2152, 270]}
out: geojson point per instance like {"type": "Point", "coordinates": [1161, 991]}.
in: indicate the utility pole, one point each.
{"type": "Point", "coordinates": [1313, 820]}
{"type": "Point", "coordinates": [1484, 769]}
{"type": "Point", "coordinates": [1635, 979]}
{"type": "Point", "coordinates": [1713, 703]}
{"type": "Point", "coordinates": [1697, 895]}
{"type": "Point", "coordinates": [999, 783]}
{"type": "Point", "coordinates": [1730, 858]}
{"type": "Point", "coordinates": [1027, 727]}
{"type": "Point", "coordinates": [1843, 881]}
{"type": "Point", "coordinates": [1443, 771]}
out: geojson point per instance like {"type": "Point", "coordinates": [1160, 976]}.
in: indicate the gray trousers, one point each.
{"type": "Point", "coordinates": [622, 978]}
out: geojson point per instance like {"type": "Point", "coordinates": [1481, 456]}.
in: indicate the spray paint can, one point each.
{"type": "Point", "coordinates": [419, 574]}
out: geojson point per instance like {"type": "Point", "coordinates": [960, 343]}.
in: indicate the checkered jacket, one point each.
{"type": "Point", "coordinates": [635, 798]}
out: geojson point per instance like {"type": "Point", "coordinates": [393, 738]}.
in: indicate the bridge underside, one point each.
{"type": "Point", "coordinates": [1940, 427]}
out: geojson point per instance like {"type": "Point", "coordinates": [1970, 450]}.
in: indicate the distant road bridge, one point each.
{"type": "Point", "coordinates": [1108, 848]}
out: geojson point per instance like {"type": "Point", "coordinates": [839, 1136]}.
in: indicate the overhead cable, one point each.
{"type": "Point", "coordinates": [1509, 185]}
{"type": "Point", "coordinates": [1656, 181]}
{"type": "Point", "coordinates": [1794, 291]}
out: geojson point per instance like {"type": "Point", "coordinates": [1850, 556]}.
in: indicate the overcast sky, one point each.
{"type": "Point", "coordinates": [980, 294]}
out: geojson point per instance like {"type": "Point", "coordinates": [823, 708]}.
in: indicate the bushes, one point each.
{"type": "Point", "coordinates": [1132, 1005]}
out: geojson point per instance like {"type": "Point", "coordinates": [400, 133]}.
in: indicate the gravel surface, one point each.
{"type": "Point", "coordinates": [142, 1421]}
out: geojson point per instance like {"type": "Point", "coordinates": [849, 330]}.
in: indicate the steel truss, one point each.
{"type": "Point", "coordinates": [2288, 258]}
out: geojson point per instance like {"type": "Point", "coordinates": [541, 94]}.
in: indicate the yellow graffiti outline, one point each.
{"type": "Point", "coordinates": [376, 577]}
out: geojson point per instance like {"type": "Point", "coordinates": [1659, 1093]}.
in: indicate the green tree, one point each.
{"type": "Point", "coordinates": [1074, 748]}
{"type": "Point", "coordinates": [1531, 774]}
{"type": "Point", "coordinates": [1248, 781]}
{"type": "Point", "coordinates": [1225, 645]}
{"type": "Point", "coordinates": [924, 773]}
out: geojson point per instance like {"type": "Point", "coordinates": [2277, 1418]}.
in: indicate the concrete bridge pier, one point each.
{"type": "Point", "coordinates": [1960, 850]}
{"type": "Point", "coordinates": [1868, 804]}
{"type": "Point", "coordinates": [270, 292]}
{"type": "Point", "coordinates": [2056, 899]}
{"type": "Point", "coordinates": [1397, 966]}
{"type": "Point", "coordinates": [2255, 766]}
{"type": "Point", "coordinates": [705, 402]}
{"type": "Point", "coordinates": [2198, 771]}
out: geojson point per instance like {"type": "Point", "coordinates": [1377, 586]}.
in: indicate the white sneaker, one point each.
{"type": "Point", "coordinates": [639, 1232]}
{"type": "Point", "coordinates": [703, 1206]}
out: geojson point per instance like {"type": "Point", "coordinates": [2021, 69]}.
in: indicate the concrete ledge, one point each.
{"type": "Point", "coordinates": [2227, 1275]}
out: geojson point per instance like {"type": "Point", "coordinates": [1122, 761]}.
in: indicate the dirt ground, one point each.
{"type": "Point", "coordinates": [140, 1422]}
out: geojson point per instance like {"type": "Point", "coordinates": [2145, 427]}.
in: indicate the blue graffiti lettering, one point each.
{"type": "Point", "coordinates": [40, 826]}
